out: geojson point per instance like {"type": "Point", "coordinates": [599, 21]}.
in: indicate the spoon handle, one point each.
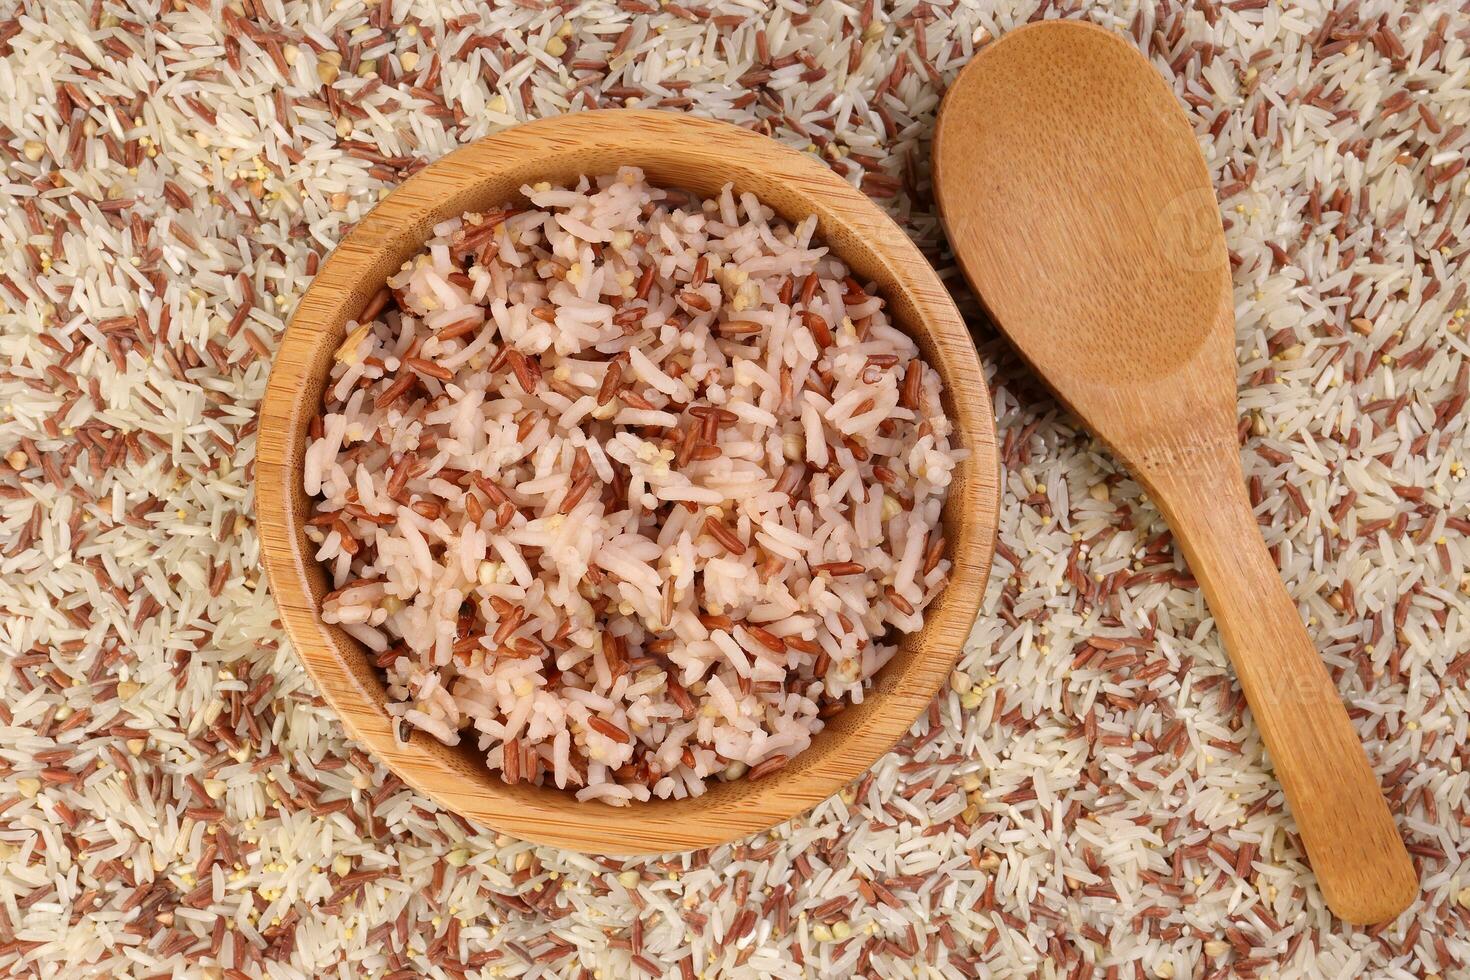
{"type": "Point", "coordinates": [1362, 868]}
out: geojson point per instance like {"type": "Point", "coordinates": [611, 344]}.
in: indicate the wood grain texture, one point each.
{"type": "Point", "coordinates": [673, 150]}
{"type": "Point", "coordinates": [1081, 210]}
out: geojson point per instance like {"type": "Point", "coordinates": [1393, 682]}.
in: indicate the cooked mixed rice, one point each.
{"type": "Point", "coordinates": [632, 489]}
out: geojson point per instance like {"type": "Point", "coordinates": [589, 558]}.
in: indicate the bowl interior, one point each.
{"type": "Point", "coordinates": [675, 151]}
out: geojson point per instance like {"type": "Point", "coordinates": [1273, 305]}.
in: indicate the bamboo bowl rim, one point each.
{"type": "Point", "coordinates": [702, 156]}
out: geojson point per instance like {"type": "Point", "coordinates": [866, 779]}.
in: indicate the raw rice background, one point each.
{"type": "Point", "coordinates": [1087, 799]}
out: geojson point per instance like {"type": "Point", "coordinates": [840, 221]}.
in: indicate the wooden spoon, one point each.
{"type": "Point", "coordinates": [1080, 209]}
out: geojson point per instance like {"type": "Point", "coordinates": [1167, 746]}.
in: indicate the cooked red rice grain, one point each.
{"type": "Point", "coordinates": [766, 767]}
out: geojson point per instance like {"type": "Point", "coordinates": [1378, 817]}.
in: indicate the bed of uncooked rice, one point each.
{"type": "Point", "coordinates": [1088, 798]}
{"type": "Point", "coordinates": [631, 488]}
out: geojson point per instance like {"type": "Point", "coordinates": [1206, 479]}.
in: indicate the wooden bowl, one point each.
{"type": "Point", "coordinates": [702, 156]}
